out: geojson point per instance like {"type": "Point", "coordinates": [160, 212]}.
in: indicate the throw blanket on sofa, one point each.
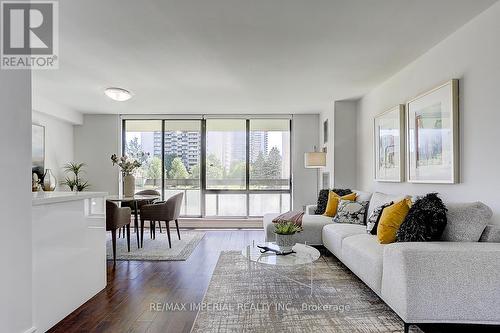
{"type": "Point", "coordinates": [291, 216]}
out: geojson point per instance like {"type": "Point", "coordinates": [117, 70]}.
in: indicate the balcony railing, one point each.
{"type": "Point", "coordinates": [225, 197]}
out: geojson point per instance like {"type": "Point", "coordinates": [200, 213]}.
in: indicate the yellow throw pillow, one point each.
{"type": "Point", "coordinates": [391, 219]}
{"type": "Point", "coordinates": [333, 202]}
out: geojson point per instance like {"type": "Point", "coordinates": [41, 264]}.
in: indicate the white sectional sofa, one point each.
{"type": "Point", "coordinates": [423, 282]}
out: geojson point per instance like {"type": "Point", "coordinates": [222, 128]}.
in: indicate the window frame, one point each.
{"type": "Point", "coordinates": [203, 155]}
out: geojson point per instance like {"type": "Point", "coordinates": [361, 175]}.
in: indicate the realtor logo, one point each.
{"type": "Point", "coordinates": [29, 35]}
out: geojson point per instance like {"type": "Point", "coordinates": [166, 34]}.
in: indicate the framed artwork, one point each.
{"type": "Point", "coordinates": [432, 136]}
{"type": "Point", "coordinates": [325, 131]}
{"type": "Point", "coordinates": [38, 150]}
{"type": "Point", "coordinates": [389, 145]}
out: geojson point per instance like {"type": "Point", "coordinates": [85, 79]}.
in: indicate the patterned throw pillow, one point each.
{"type": "Point", "coordinates": [372, 221]}
{"type": "Point", "coordinates": [351, 212]}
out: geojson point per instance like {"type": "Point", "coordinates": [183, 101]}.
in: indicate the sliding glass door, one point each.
{"type": "Point", "coordinates": [182, 147]}
{"type": "Point", "coordinates": [142, 141]}
{"type": "Point", "coordinates": [226, 154]}
{"type": "Point", "coordinates": [269, 147]}
{"type": "Point", "coordinates": [227, 167]}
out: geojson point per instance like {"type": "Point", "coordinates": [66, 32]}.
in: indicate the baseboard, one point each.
{"type": "Point", "coordinates": [221, 223]}
{"type": "Point", "coordinates": [205, 223]}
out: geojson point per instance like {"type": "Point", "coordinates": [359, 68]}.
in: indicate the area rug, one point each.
{"type": "Point", "coordinates": [156, 249]}
{"type": "Point", "coordinates": [262, 298]}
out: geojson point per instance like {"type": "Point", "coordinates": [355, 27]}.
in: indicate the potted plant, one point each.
{"type": "Point", "coordinates": [75, 183]}
{"type": "Point", "coordinates": [285, 238]}
{"type": "Point", "coordinates": [127, 166]}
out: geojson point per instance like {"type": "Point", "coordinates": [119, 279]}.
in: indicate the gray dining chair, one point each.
{"type": "Point", "coordinates": [140, 203]}
{"type": "Point", "coordinates": [116, 218]}
{"type": "Point", "coordinates": [163, 211]}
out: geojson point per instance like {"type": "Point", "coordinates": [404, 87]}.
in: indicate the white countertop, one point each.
{"type": "Point", "coordinates": [43, 198]}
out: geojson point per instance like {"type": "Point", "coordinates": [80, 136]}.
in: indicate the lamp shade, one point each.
{"type": "Point", "coordinates": [314, 160]}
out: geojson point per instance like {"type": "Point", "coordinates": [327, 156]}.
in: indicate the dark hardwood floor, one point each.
{"type": "Point", "coordinates": [124, 305]}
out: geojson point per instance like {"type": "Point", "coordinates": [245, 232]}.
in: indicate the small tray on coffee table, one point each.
{"type": "Point", "coordinates": [302, 254]}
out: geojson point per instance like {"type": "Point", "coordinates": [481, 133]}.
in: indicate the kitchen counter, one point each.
{"type": "Point", "coordinates": [41, 198]}
{"type": "Point", "coordinates": [69, 253]}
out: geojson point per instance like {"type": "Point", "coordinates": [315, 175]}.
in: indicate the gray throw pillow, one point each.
{"type": "Point", "coordinates": [351, 212]}
{"type": "Point", "coordinates": [491, 234]}
{"type": "Point", "coordinates": [466, 221]}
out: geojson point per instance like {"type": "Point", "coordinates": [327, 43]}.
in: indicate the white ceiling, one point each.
{"type": "Point", "coordinates": [238, 56]}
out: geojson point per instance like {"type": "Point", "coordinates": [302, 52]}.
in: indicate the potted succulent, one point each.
{"type": "Point", "coordinates": [127, 166]}
{"type": "Point", "coordinates": [285, 235]}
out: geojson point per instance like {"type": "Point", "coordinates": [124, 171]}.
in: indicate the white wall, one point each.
{"type": "Point", "coordinates": [15, 199]}
{"type": "Point", "coordinates": [58, 143]}
{"type": "Point", "coordinates": [471, 54]}
{"type": "Point", "coordinates": [329, 145]}
{"type": "Point", "coordinates": [304, 138]}
{"type": "Point", "coordinates": [344, 145]}
{"type": "Point", "coordinates": [95, 141]}
{"type": "Point", "coordinates": [341, 145]}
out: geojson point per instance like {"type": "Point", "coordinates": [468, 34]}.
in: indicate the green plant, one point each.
{"type": "Point", "coordinates": [286, 228]}
{"type": "Point", "coordinates": [75, 182]}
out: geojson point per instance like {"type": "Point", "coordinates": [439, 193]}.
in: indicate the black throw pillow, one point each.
{"type": "Point", "coordinates": [323, 199]}
{"type": "Point", "coordinates": [425, 221]}
{"type": "Point", "coordinates": [374, 219]}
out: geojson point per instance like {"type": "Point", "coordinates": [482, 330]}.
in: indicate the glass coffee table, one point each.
{"type": "Point", "coordinates": [303, 257]}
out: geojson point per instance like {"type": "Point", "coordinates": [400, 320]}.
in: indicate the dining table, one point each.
{"type": "Point", "coordinates": [134, 201]}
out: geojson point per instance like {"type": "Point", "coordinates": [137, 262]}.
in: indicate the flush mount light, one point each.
{"type": "Point", "coordinates": [118, 94]}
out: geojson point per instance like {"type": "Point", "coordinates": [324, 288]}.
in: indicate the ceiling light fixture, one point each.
{"type": "Point", "coordinates": [118, 94]}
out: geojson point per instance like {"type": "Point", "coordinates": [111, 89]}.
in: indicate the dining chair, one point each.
{"type": "Point", "coordinates": [140, 203]}
{"type": "Point", "coordinates": [116, 218]}
{"type": "Point", "coordinates": [163, 211]}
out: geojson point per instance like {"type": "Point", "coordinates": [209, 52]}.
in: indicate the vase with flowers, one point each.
{"type": "Point", "coordinates": [127, 166]}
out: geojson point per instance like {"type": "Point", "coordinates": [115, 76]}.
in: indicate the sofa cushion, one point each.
{"type": "Point", "coordinates": [334, 233]}
{"type": "Point", "coordinates": [491, 234]}
{"type": "Point", "coordinates": [362, 196]}
{"type": "Point", "coordinates": [391, 219]}
{"type": "Point", "coordinates": [466, 221]}
{"type": "Point", "coordinates": [333, 202]}
{"type": "Point", "coordinates": [323, 199]}
{"type": "Point", "coordinates": [378, 199]}
{"type": "Point", "coordinates": [311, 224]}
{"type": "Point", "coordinates": [363, 254]}
{"type": "Point", "coordinates": [425, 221]}
{"type": "Point", "coordinates": [373, 220]}
{"type": "Point", "coordinates": [351, 212]}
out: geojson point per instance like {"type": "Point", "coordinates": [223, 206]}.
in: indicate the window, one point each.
{"type": "Point", "coordinates": [269, 154]}
{"type": "Point", "coordinates": [226, 154]}
{"type": "Point", "coordinates": [225, 167]}
{"type": "Point", "coordinates": [141, 144]}
{"type": "Point", "coordinates": [182, 146]}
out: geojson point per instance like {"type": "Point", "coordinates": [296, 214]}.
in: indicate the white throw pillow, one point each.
{"type": "Point", "coordinates": [378, 199]}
